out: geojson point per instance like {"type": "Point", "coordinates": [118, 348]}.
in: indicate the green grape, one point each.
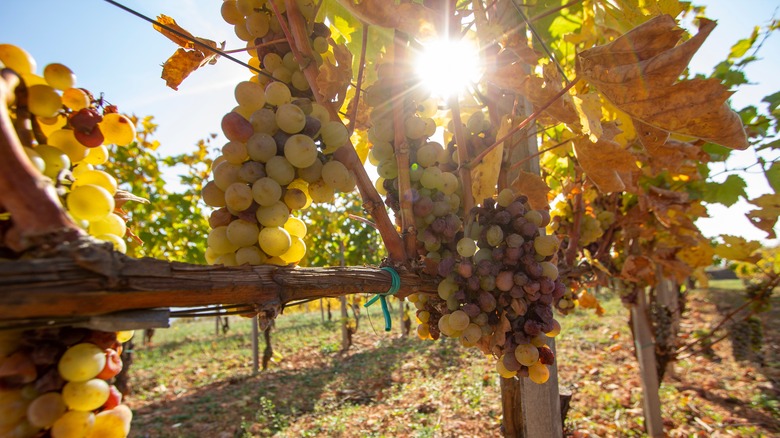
{"type": "Point", "coordinates": [335, 174]}
{"type": "Point", "coordinates": [85, 396]}
{"type": "Point", "coordinates": [235, 152]}
{"type": "Point", "coordinates": [73, 424]}
{"type": "Point", "coordinates": [300, 151]}
{"type": "Point", "coordinates": [242, 32]}
{"type": "Point", "coordinates": [117, 129]}
{"type": "Point", "coordinates": [379, 184]}
{"type": "Point", "coordinates": [97, 178]}
{"type": "Point", "coordinates": [43, 101]}
{"type": "Point", "coordinates": [75, 99]}
{"type": "Point", "coordinates": [251, 171]}
{"type": "Point", "coordinates": [549, 270]}
{"type": "Point", "coordinates": [230, 12]}
{"type": "Point", "coordinates": [431, 177]}
{"type": "Point", "coordinates": [225, 174]}
{"type": "Point", "coordinates": [227, 259]}
{"type": "Point", "coordinates": [527, 354]}
{"type": "Point", "coordinates": [535, 217]}
{"type": "Point", "coordinates": [494, 235]}
{"type": "Point", "coordinates": [97, 155]}
{"type": "Point", "coordinates": [238, 196]}
{"type": "Point", "coordinates": [388, 169]}
{"type": "Point", "coordinates": [242, 233]}
{"type": "Point", "coordinates": [290, 118]}
{"type": "Point", "coordinates": [261, 147]}
{"type": "Point", "coordinates": [296, 252]}
{"type": "Point", "coordinates": [65, 140]}
{"type": "Point", "coordinates": [266, 191]}
{"type": "Point", "coordinates": [447, 288]}
{"type": "Point", "coordinates": [472, 334]}
{"type": "Point", "coordinates": [46, 409]}
{"type": "Point", "coordinates": [383, 151]}
{"type": "Point", "coordinates": [280, 170]}
{"type": "Point", "coordinates": [119, 244]}
{"type": "Point", "coordinates": [212, 195]}
{"type": "Point", "coordinates": [430, 127]}
{"type": "Point", "coordinates": [17, 59]}
{"type": "Point", "coordinates": [90, 202]}
{"type": "Point", "coordinates": [320, 44]}
{"type": "Point", "coordinates": [274, 241]}
{"type": "Point", "coordinates": [334, 135]}
{"type": "Point", "coordinates": [289, 61]}
{"type": "Point", "coordinates": [505, 197]}
{"type": "Point", "coordinates": [246, 7]}
{"type": "Point", "coordinates": [320, 113]}
{"type": "Point", "coordinates": [250, 255]}
{"type": "Point", "coordinates": [257, 24]}
{"type": "Point", "coordinates": [274, 215]}
{"type": "Point", "coordinates": [55, 160]}
{"type": "Point", "coordinates": [277, 93]}
{"type": "Point", "coordinates": [474, 123]}
{"type": "Point", "coordinates": [219, 242]}
{"type": "Point", "coordinates": [264, 120]}
{"type": "Point", "coordinates": [538, 373]}
{"type": "Point", "coordinates": [448, 184]}
{"type": "Point", "coordinates": [444, 325]}
{"type": "Point", "coordinates": [539, 340]}
{"type": "Point", "coordinates": [299, 81]}
{"type": "Point", "coordinates": [296, 199]}
{"type": "Point", "coordinates": [210, 256]}
{"type": "Point", "coordinates": [272, 61]}
{"type": "Point", "coordinates": [546, 245]}
{"type": "Point", "coordinates": [311, 173]}
{"type": "Point", "coordinates": [414, 128]}
{"type": "Point", "coordinates": [459, 320]}
{"type": "Point", "coordinates": [427, 154]}
{"type": "Point", "coordinates": [59, 76]}
{"type": "Point", "coordinates": [295, 227]}
{"type": "Point", "coordinates": [483, 254]}
{"type": "Point", "coordinates": [320, 191]}
{"type": "Point", "coordinates": [466, 247]}
{"type": "Point", "coordinates": [35, 159]}
{"type": "Point", "coordinates": [282, 74]}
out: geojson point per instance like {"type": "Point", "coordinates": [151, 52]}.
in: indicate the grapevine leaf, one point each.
{"type": "Point", "coordinates": [727, 193]}
{"type": "Point", "coordinates": [484, 176]}
{"type": "Point", "coordinates": [738, 249]}
{"type": "Point", "coordinates": [766, 216]}
{"type": "Point", "coordinates": [605, 162]}
{"type": "Point", "coordinates": [177, 39]}
{"type": "Point", "coordinates": [534, 187]}
{"type": "Point", "coordinates": [412, 18]}
{"type": "Point", "coordinates": [586, 300]}
{"type": "Point", "coordinates": [697, 256]}
{"type": "Point", "coordinates": [180, 65]}
{"type": "Point", "coordinates": [588, 107]}
{"type": "Point", "coordinates": [639, 269]}
{"type": "Point", "coordinates": [742, 46]}
{"type": "Point", "coordinates": [773, 176]}
{"type": "Point", "coordinates": [637, 73]}
{"type": "Point", "coordinates": [334, 79]}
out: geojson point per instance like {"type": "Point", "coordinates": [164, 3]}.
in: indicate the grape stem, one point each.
{"type": "Point", "coordinates": [359, 85]}
{"type": "Point", "coordinates": [463, 155]}
{"type": "Point", "coordinates": [400, 144]}
{"type": "Point", "coordinates": [578, 209]}
{"type": "Point", "coordinates": [26, 194]}
{"type": "Point", "coordinates": [299, 41]}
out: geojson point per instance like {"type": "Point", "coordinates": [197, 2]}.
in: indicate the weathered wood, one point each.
{"type": "Point", "coordinates": [93, 281]}
{"type": "Point", "coordinates": [645, 351]}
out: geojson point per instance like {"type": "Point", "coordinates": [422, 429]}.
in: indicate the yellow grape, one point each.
{"type": "Point", "coordinates": [35, 159]}
{"type": "Point", "coordinates": [303, 186]}
{"type": "Point", "coordinates": [275, 261]}
{"type": "Point", "coordinates": [320, 191]}
{"type": "Point", "coordinates": [300, 151]}
{"type": "Point", "coordinates": [250, 255]}
{"type": "Point", "coordinates": [423, 332]}
{"type": "Point", "coordinates": [59, 76]}
{"type": "Point", "coordinates": [81, 362]}
{"type": "Point", "coordinates": [43, 101]}
{"type": "Point", "coordinates": [65, 140]}
{"type": "Point", "coordinates": [225, 174]}
{"type": "Point", "coordinates": [556, 329]}
{"type": "Point", "coordinates": [75, 99]}
{"type": "Point", "coordinates": [274, 241]}
{"type": "Point", "coordinates": [274, 215]}
{"type": "Point", "coordinates": [238, 196]}
{"type": "Point", "coordinates": [46, 409]}
{"type": "Point", "coordinates": [212, 195]}
{"type": "Point", "coordinates": [277, 93]}
{"type": "Point", "coordinates": [113, 423]}
{"type": "Point", "coordinates": [250, 95]}
{"type": "Point", "coordinates": [117, 129]}
{"type": "Point", "coordinates": [111, 224]}
{"type": "Point", "coordinates": [124, 336]}
{"type": "Point", "coordinates": [14, 407]}
{"type": "Point", "coordinates": [266, 191]}
{"type": "Point", "coordinates": [472, 334]}
{"type": "Point", "coordinates": [97, 155]}
{"type": "Point", "coordinates": [17, 59]}
{"type": "Point", "coordinates": [85, 396]}
{"type": "Point", "coordinates": [280, 170]}
{"type": "Point", "coordinates": [295, 227]}
{"type": "Point", "coordinates": [73, 424]}
{"type": "Point", "coordinates": [539, 340]}
{"type": "Point", "coordinates": [219, 242]}
{"type": "Point", "coordinates": [90, 202]}
{"type": "Point", "coordinates": [538, 373]}
{"type": "Point", "coordinates": [118, 242]}
{"type": "Point", "coordinates": [334, 135]}
{"type": "Point", "coordinates": [230, 12]}
{"type": "Point", "coordinates": [210, 255]}
{"type": "Point", "coordinates": [98, 178]}
{"type": "Point", "coordinates": [296, 252]}
{"type": "Point", "coordinates": [242, 233]}
{"type": "Point", "coordinates": [502, 371]}
{"type": "Point", "coordinates": [459, 320]}
{"type": "Point", "coordinates": [228, 259]}
{"type": "Point", "coordinates": [526, 354]}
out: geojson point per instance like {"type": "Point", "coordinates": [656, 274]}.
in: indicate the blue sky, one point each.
{"type": "Point", "coordinates": [119, 54]}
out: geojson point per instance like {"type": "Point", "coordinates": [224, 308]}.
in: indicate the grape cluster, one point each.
{"type": "Point", "coordinates": [55, 382]}
{"type": "Point", "coordinates": [279, 154]}
{"type": "Point", "coordinates": [74, 131]}
{"type": "Point", "coordinates": [499, 288]}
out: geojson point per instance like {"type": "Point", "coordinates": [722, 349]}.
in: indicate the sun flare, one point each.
{"type": "Point", "coordinates": [446, 67]}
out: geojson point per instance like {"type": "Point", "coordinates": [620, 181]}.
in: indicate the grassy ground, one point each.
{"type": "Point", "coordinates": [193, 383]}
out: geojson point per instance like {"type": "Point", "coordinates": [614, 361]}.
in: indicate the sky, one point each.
{"type": "Point", "coordinates": [121, 55]}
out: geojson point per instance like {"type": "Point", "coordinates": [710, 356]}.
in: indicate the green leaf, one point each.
{"type": "Point", "coordinates": [773, 100]}
{"type": "Point", "coordinates": [716, 151]}
{"type": "Point", "coordinates": [741, 47]}
{"type": "Point", "coordinates": [727, 193]}
{"type": "Point", "coordinates": [771, 145]}
{"type": "Point", "coordinates": [773, 176]}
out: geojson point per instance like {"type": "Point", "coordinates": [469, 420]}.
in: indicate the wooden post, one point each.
{"type": "Point", "coordinates": [255, 347]}
{"type": "Point", "coordinates": [645, 352]}
{"type": "Point", "coordinates": [667, 323]}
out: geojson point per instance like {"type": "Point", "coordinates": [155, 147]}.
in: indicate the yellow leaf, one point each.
{"type": "Point", "coordinates": [738, 249]}
{"type": "Point", "coordinates": [766, 216]}
{"type": "Point", "coordinates": [334, 78]}
{"type": "Point", "coordinates": [605, 163]}
{"type": "Point", "coordinates": [588, 107]}
{"type": "Point", "coordinates": [534, 187]}
{"type": "Point", "coordinates": [170, 22]}
{"type": "Point", "coordinates": [639, 269]}
{"type": "Point", "coordinates": [412, 18]}
{"type": "Point", "coordinates": [484, 177]}
{"type": "Point", "coordinates": [638, 72]}
{"type": "Point", "coordinates": [188, 57]}
{"type": "Point", "coordinates": [180, 65]}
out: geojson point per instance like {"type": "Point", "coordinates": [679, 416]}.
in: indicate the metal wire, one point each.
{"type": "Point", "coordinates": [541, 41]}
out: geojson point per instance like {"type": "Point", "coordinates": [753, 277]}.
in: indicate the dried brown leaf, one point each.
{"type": "Point", "coordinates": [170, 22]}
{"type": "Point", "coordinates": [606, 163]}
{"type": "Point", "coordinates": [639, 269]}
{"type": "Point", "coordinates": [638, 72]}
{"type": "Point", "coordinates": [534, 187]}
{"type": "Point", "coordinates": [334, 79]}
{"type": "Point", "coordinates": [412, 18]}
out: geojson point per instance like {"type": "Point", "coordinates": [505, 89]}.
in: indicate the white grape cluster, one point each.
{"type": "Point", "coordinates": [74, 132]}
{"type": "Point", "coordinates": [55, 382]}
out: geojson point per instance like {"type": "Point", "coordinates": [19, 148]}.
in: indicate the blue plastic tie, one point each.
{"type": "Point", "coordinates": [395, 284]}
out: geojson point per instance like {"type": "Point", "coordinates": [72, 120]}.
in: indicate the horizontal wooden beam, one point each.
{"type": "Point", "coordinates": [93, 280]}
